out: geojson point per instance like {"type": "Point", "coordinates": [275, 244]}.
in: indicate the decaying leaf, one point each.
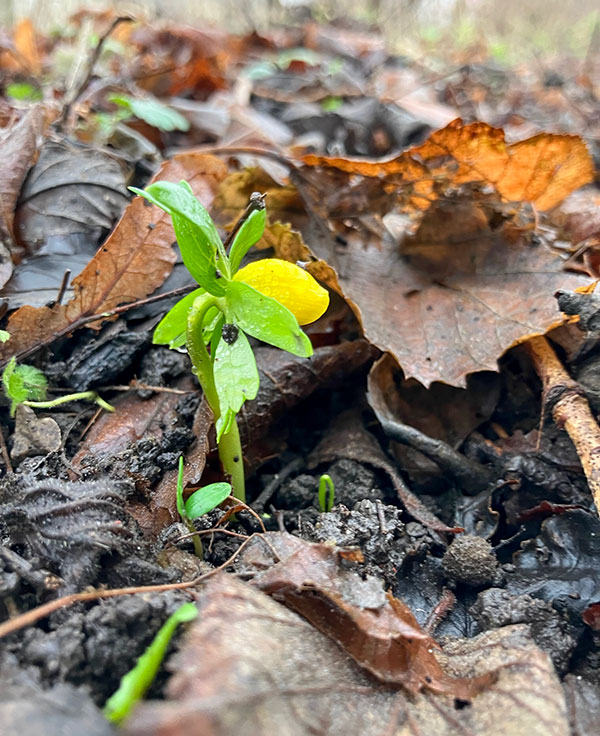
{"type": "Point", "coordinates": [118, 272]}
{"type": "Point", "coordinates": [441, 412]}
{"type": "Point", "coordinates": [285, 380]}
{"type": "Point", "coordinates": [71, 189]}
{"type": "Point", "coordinates": [542, 170]}
{"type": "Point", "coordinates": [377, 630]}
{"type": "Point", "coordinates": [177, 59]}
{"type": "Point", "coordinates": [445, 304]}
{"type": "Point", "coordinates": [251, 666]}
{"type": "Point", "coordinates": [559, 565]}
{"type": "Point", "coordinates": [18, 149]}
{"type": "Point", "coordinates": [148, 419]}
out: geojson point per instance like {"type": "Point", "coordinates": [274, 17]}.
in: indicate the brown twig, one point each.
{"type": "Point", "coordinates": [31, 617]}
{"type": "Point", "coordinates": [441, 610]}
{"type": "Point", "coordinates": [94, 56]}
{"type": "Point", "coordinates": [5, 455]}
{"type": "Point", "coordinates": [63, 286]}
{"type": "Point", "coordinates": [570, 410]}
{"type": "Point", "coordinates": [87, 319]}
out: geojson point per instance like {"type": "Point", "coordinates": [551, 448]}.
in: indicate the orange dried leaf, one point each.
{"type": "Point", "coordinates": [26, 46]}
{"type": "Point", "coordinates": [542, 170]}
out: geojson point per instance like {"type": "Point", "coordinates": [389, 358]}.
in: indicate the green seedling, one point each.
{"type": "Point", "coordinates": [151, 111]}
{"type": "Point", "coordinates": [199, 503]}
{"type": "Point", "coordinates": [326, 493]}
{"type": "Point", "coordinates": [27, 385]}
{"type": "Point", "coordinates": [23, 91]}
{"type": "Point", "coordinates": [267, 299]}
{"type": "Point", "coordinates": [136, 682]}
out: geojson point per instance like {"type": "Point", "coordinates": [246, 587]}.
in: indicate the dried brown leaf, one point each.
{"type": "Point", "coordinates": [251, 666]}
{"type": "Point", "coordinates": [376, 629]}
{"type": "Point", "coordinates": [458, 295]}
{"type": "Point", "coordinates": [18, 149]}
{"type": "Point", "coordinates": [135, 260]}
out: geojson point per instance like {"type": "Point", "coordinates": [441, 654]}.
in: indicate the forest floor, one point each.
{"type": "Point", "coordinates": [449, 583]}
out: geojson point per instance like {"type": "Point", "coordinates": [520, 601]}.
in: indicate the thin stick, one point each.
{"type": "Point", "coordinates": [95, 55]}
{"type": "Point", "coordinates": [5, 455]}
{"type": "Point", "coordinates": [63, 286]}
{"type": "Point", "coordinates": [570, 410]}
{"type": "Point", "coordinates": [85, 320]}
{"type": "Point", "coordinates": [31, 617]}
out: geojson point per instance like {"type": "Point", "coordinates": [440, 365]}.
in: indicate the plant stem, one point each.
{"type": "Point", "coordinates": [230, 447]}
{"type": "Point", "coordinates": [82, 395]}
{"type": "Point", "coordinates": [195, 539]}
{"type": "Point", "coordinates": [230, 453]}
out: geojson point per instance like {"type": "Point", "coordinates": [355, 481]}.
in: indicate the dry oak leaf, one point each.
{"type": "Point", "coordinates": [134, 261]}
{"type": "Point", "coordinates": [454, 297]}
{"type": "Point", "coordinates": [542, 170]}
{"type": "Point", "coordinates": [250, 666]}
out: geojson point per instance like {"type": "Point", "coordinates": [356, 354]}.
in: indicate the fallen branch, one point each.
{"type": "Point", "coordinates": [565, 398]}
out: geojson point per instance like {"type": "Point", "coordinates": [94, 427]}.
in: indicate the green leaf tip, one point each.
{"type": "Point", "coordinates": [135, 683]}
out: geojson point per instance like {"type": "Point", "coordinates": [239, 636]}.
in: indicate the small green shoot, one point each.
{"type": "Point", "coordinates": [199, 503]}
{"type": "Point", "coordinates": [326, 493]}
{"type": "Point", "coordinates": [153, 112]}
{"type": "Point", "coordinates": [136, 682]}
{"type": "Point", "coordinates": [267, 300]}
{"type": "Point", "coordinates": [27, 385]}
{"type": "Point", "coordinates": [23, 92]}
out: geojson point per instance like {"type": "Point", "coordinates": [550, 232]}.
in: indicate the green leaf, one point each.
{"type": "Point", "coordinates": [23, 383]}
{"type": "Point", "coordinates": [180, 504]}
{"type": "Point", "coordinates": [196, 232]}
{"type": "Point", "coordinates": [4, 336]}
{"type": "Point", "coordinates": [236, 379]}
{"type": "Point", "coordinates": [171, 330]}
{"type": "Point", "coordinates": [136, 682]}
{"type": "Point", "coordinates": [153, 112]}
{"type": "Point", "coordinates": [206, 499]}
{"type": "Point", "coordinates": [266, 319]}
{"type": "Point", "coordinates": [23, 91]}
{"type": "Point", "coordinates": [250, 233]}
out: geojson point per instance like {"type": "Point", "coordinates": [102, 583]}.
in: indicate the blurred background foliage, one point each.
{"type": "Point", "coordinates": [510, 32]}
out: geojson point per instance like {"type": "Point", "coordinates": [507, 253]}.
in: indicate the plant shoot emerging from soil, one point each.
{"type": "Point", "coordinates": [136, 682]}
{"type": "Point", "coordinates": [267, 300]}
{"type": "Point", "coordinates": [326, 493]}
{"type": "Point", "coordinates": [199, 503]}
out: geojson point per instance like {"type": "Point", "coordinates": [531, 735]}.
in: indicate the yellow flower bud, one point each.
{"type": "Point", "coordinates": [289, 284]}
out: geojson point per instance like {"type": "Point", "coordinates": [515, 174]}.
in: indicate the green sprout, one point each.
{"type": "Point", "coordinates": [199, 503]}
{"type": "Point", "coordinates": [326, 493]}
{"type": "Point", "coordinates": [151, 111]}
{"type": "Point", "coordinates": [27, 385]}
{"type": "Point", "coordinates": [136, 682]}
{"type": "Point", "coordinates": [267, 300]}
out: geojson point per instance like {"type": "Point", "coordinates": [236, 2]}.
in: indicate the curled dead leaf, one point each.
{"type": "Point", "coordinates": [542, 170]}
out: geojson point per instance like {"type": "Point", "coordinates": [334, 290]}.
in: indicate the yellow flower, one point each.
{"type": "Point", "coordinates": [289, 284]}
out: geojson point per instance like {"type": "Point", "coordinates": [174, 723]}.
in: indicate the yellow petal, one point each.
{"type": "Point", "coordinates": [289, 284]}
